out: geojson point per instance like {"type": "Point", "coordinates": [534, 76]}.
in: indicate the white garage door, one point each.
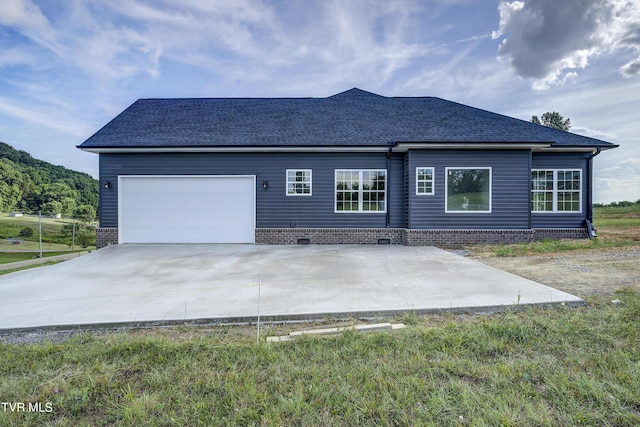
{"type": "Point", "coordinates": [186, 209]}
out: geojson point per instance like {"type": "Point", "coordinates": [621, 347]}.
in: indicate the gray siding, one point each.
{"type": "Point", "coordinates": [510, 186]}
{"type": "Point", "coordinates": [562, 161]}
{"type": "Point", "coordinates": [510, 189]}
{"type": "Point", "coordinates": [274, 208]}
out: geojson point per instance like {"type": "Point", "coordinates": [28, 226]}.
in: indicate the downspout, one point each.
{"type": "Point", "coordinates": [590, 192]}
{"type": "Point", "coordinates": [388, 215]}
{"type": "Point", "coordinates": [529, 185]}
{"type": "Point", "coordinates": [591, 231]}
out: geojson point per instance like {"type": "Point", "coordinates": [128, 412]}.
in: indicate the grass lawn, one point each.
{"type": "Point", "coordinates": [49, 225]}
{"type": "Point", "coordinates": [532, 366]}
{"type": "Point", "coordinates": [10, 229]}
{"type": "Point", "coordinates": [7, 257]}
{"type": "Point", "coordinates": [13, 270]}
{"type": "Point", "coordinates": [553, 367]}
{"type": "Point", "coordinates": [616, 228]}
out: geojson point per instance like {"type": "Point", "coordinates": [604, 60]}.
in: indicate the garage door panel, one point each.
{"type": "Point", "coordinates": [178, 209]}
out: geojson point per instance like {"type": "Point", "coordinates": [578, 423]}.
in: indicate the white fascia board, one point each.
{"type": "Point", "coordinates": [401, 147]}
{"type": "Point", "coordinates": [571, 149]}
{"type": "Point", "coordinates": [351, 149]}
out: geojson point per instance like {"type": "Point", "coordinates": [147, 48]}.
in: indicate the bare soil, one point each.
{"type": "Point", "coordinates": [581, 273]}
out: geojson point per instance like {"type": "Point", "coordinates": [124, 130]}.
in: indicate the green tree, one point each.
{"type": "Point", "coordinates": [10, 185]}
{"type": "Point", "coordinates": [57, 191]}
{"type": "Point", "coordinates": [86, 239]}
{"type": "Point", "coordinates": [31, 175]}
{"type": "Point", "coordinates": [53, 207]}
{"type": "Point", "coordinates": [85, 213]}
{"type": "Point", "coordinates": [27, 232]}
{"type": "Point", "coordinates": [68, 206]}
{"type": "Point", "coordinates": [9, 196]}
{"type": "Point", "coordinates": [553, 120]}
{"type": "Point", "coordinates": [10, 173]}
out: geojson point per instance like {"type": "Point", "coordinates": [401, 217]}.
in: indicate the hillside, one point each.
{"type": "Point", "coordinates": [31, 185]}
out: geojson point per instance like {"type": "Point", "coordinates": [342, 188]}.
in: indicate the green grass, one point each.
{"type": "Point", "coordinates": [617, 227]}
{"type": "Point", "coordinates": [548, 246]}
{"type": "Point", "coordinates": [52, 233]}
{"type": "Point", "coordinates": [8, 257]}
{"type": "Point", "coordinates": [617, 210]}
{"type": "Point", "coordinates": [551, 367]}
{"type": "Point", "coordinates": [13, 270]}
{"type": "Point", "coordinates": [7, 246]}
{"type": "Point", "coordinates": [49, 225]}
{"type": "Point", "coordinates": [615, 217]}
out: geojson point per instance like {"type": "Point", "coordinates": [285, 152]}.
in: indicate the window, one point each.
{"type": "Point", "coordinates": [556, 190]}
{"type": "Point", "coordinates": [361, 190]}
{"type": "Point", "coordinates": [542, 190]}
{"type": "Point", "coordinates": [298, 182]}
{"type": "Point", "coordinates": [468, 190]}
{"type": "Point", "coordinates": [424, 181]}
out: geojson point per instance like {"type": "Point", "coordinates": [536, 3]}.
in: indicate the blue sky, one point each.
{"type": "Point", "coordinates": [68, 67]}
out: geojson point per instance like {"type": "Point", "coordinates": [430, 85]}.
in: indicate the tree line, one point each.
{"type": "Point", "coordinates": [30, 185]}
{"type": "Point", "coordinates": [623, 204]}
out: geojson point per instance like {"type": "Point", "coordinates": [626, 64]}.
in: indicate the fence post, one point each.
{"type": "Point", "coordinates": [73, 236]}
{"type": "Point", "coordinates": [40, 231]}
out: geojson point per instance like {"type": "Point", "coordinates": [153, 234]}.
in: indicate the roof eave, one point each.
{"type": "Point", "coordinates": [403, 146]}
{"type": "Point", "coordinates": [578, 148]}
{"type": "Point", "coordinates": [237, 149]}
{"type": "Point", "coordinates": [397, 147]}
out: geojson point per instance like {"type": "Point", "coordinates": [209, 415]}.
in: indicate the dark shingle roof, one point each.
{"type": "Point", "coordinates": [351, 118]}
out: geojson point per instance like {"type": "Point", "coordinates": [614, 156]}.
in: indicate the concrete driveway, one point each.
{"type": "Point", "coordinates": [138, 284]}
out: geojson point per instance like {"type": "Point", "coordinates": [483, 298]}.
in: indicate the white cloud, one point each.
{"type": "Point", "coordinates": [17, 56]}
{"type": "Point", "coordinates": [27, 18]}
{"type": "Point", "coordinates": [550, 41]}
{"type": "Point", "coordinates": [631, 68]}
{"type": "Point", "coordinates": [246, 39]}
{"type": "Point", "coordinates": [506, 11]}
{"type": "Point", "coordinates": [42, 117]}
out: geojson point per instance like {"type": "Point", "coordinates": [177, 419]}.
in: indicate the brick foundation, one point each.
{"type": "Point", "coordinates": [329, 236]}
{"type": "Point", "coordinates": [561, 233]}
{"type": "Point", "coordinates": [456, 238]}
{"type": "Point", "coordinates": [443, 238]}
{"type": "Point", "coordinates": [106, 237]}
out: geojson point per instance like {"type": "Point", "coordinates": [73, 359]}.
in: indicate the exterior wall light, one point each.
{"type": "Point", "coordinates": [265, 185]}
{"type": "Point", "coordinates": [107, 185]}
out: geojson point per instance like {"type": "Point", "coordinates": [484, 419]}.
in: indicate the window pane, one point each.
{"type": "Point", "coordinates": [542, 201]}
{"type": "Point", "coordinates": [569, 201]}
{"type": "Point", "coordinates": [542, 180]}
{"type": "Point", "coordinates": [566, 190]}
{"type": "Point", "coordinates": [469, 190]}
{"type": "Point", "coordinates": [424, 183]}
{"type": "Point", "coordinates": [353, 186]}
{"type": "Point", "coordinates": [298, 182]}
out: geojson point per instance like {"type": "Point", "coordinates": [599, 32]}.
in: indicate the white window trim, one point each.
{"type": "Point", "coordinates": [433, 181]}
{"type": "Point", "coordinates": [286, 188]}
{"type": "Point", "coordinates": [446, 190]}
{"type": "Point", "coordinates": [360, 191]}
{"type": "Point", "coordinates": [554, 192]}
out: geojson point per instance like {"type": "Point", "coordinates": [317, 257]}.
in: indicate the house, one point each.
{"type": "Point", "coordinates": [353, 168]}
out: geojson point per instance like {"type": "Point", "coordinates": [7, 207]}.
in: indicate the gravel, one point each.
{"type": "Point", "coordinates": [46, 335]}
{"type": "Point", "coordinates": [581, 273]}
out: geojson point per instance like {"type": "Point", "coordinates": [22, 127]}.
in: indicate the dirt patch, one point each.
{"type": "Point", "coordinates": [578, 273]}
{"type": "Point", "coordinates": [628, 233]}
